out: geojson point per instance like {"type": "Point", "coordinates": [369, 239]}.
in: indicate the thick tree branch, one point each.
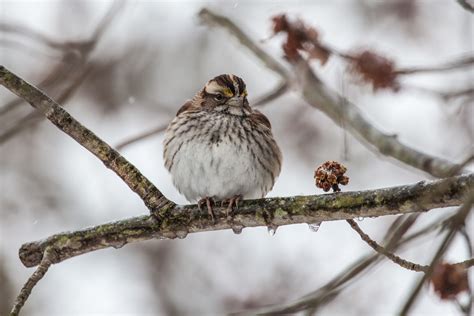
{"type": "Point", "coordinates": [139, 184]}
{"type": "Point", "coordinates": [182, 220]}
{"type": "Point", "coordinates": [338, 108]}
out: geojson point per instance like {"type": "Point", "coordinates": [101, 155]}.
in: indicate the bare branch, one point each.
{"type": "Point", "coordinates": [277, 92]}
{"type": "Point", "coordinates": [325, 294]}
{"type": "Point", "coordinates": [467, 92]}
{"type": "Point", "coordinates": [338, 108]}
{"type": "Point", "coordinates": [456, 223]}
{"type": "Point", "coordinates": [33, 118]}
{"type": "Point", "coordinates": [452, 65]}
{"type": "Point", "coordinates": [31, 34]}
{"type": "Point", "coordinates": [141, 136]}
{"type": "Point", "coordinates": [39, 273]}
{"type": "Point", "coordinates": [75, 56]}
{"type": "Point", "coordinates": [210, 18]}
{"type": "Point", "coordinates": [381, 250]}
{"type": "Point", "coordinates": [139, 184]}
{"type": "Point", "coordinates": [466, 5]}
{"type": "Point", "coordinates": [181, 220]}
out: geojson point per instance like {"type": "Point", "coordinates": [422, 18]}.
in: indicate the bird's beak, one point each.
{"type": "Point", "coordinates": [236, 101]}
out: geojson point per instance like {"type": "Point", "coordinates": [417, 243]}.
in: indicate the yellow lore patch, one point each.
{"type": "Point", "coordinates": [227, 92]}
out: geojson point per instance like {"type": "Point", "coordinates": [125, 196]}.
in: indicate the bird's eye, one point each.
{"type": "Point", "coordinates": [218, 97]}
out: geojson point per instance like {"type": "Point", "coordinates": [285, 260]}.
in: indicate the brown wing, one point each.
{"type": "Point", "coordinates": [185, 107]}
{"type": "Point", "coordinates": [260, 118]}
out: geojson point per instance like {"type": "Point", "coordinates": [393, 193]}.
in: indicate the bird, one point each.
{"type": "Point", "coordinates": [218, 148]}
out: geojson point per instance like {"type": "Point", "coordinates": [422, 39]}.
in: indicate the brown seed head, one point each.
{"type": "Point", "coordinates": [449, 280]}
{"type": "Point", "coordinates": [329, 175]}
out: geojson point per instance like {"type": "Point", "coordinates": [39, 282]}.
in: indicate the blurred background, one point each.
{"type": "Point", "coordinates": [124, 68]}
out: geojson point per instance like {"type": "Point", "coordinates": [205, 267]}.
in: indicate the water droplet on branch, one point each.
{"type": "Point", "coordinates": [119, 244]}
{"type": "Point", "coordinates": [181, 234]}
{"type": "Point", "coordinates": [272, 228]}
{"type": "Point", "coordinates": [314, 227]}
{"type": "Point", "coordinates": [237, 228]}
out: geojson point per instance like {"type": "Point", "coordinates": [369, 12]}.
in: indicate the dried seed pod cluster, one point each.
{"type": "Point", "coordinates": [449, 280]}
{"type": "Point", "coordinates": [329, 175]}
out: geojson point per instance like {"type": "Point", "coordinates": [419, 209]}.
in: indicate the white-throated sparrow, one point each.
{"type": "Point", "coordinates": [218, 147]}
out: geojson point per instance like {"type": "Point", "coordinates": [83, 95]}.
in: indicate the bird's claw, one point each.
{"type": "Point", "coordinates": [209, 202]}
{"type": "Point", "coordinates": [233, 204]}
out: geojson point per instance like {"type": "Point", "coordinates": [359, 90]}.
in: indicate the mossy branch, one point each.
{"type": "Point", "coordinates": [273, 212]}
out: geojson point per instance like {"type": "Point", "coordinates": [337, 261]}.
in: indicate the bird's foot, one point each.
{"type": "Point", "coordinates": [209, 203]}
{"type": "Point", "coordinates": [233, 204]}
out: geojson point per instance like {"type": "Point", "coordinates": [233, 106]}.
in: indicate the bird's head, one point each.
{"type": "Point", "coordinates": [225, 93]}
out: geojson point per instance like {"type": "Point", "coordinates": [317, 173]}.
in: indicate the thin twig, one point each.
{"type": "Point", "coordinates": [211, 18]}
{"type": "Point", "coordinates": [452, 65]}
{"type": "Point", "coordinates": [381, 250]}
{"type": "Point", "coordinates": [143, 135]}
{"type": "Point", "coordinates": [325, 294]}
{"type": "Point", "coordinates": [447, 96]}
{"type": "Point", "coordinates": [46, 261]}
{"type": "Point", "coordinates": [317, 94]}
{"type": "Point", "coordinates": [75, 56]}
{"type": "Point", "coordinates": [275, 93]}
{"type": "Point", "coordinates": [33, 118]}
{"type": "Point", "coordinates": [278, 91]}
{"type": "Point", "coordinates": [456, 222]}
{"type": "Point", "coordinates": [56, 76]}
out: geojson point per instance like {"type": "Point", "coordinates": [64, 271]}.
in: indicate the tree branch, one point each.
{"type": "Point", "coordinates": [73, 67]}
{"type": "Point", "coordinates": [39, 273]}
{"type": "Point", "coordinates": [381, 250]}
{"type": "Point", "coordinates": [275, 93]}
{"type": "Point", "coordinates": [314, 300]}
{"type": "Point", "coordinates": [182, 220]}
{"type": "Point", "coordinates": [143, 135]}
{"type": "Point", "coordinates": [139, 184]}
{"type": "Point", "coordinates": [456, 223]}
{"type": "Point", "coordinates": [338, 108]}
{"type": "Point", "coordinates": [466, 5]}
{"type": "Point", "coordinates": [396, 259]}
{"type": "Point", "coordinates": [452, 65]}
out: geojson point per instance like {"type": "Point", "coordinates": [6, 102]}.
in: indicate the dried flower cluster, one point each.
{"type": "Point", "coordinates": [375, 69]}
{"type": "Point", "coordinates": [300, 38]}
{"type": "Point", "coordinates": [449, 280]}
{"type": "Point", "coordinates": [369, 66]}
{"type": "Point", "coordinates": [329, 175]}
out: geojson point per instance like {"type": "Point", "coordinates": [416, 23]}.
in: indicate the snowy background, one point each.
{"type": "Point", "coordinates": [154, 56]}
